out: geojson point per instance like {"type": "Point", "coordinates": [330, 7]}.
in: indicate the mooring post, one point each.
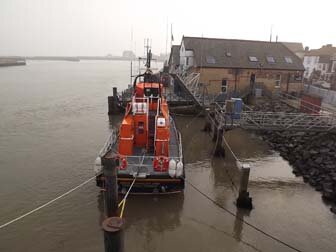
{"type": "Point", "coordinates": [113, 102]}
{"type": "Point", "coordinates": [207, 125]}
{"type": "Point", "coordinates": [111, 187]}
{"type": "Point", "coordinates": [112, 226]}
{"type": "Point", "coordinates": [219, 149]}
{"type": "Point", "coordinates": [244, 200]}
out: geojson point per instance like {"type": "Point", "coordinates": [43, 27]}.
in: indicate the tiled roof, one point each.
{"type": "Point", "coordinates": [233, 53]}
{"type": "Point", "coordinates": [324, 50]}
{"type": "Point", "coordinates": [294, 46]}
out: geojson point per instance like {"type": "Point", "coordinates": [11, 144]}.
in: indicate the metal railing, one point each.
{"type": "Point", "coordinates": [109, 143]}
{"type": "Point", "coordinates": [286, 121]}
{"type": "Point", "coordinates": [280, 121]}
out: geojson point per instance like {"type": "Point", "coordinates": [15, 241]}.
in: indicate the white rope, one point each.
{"type": "Point", "coordinates": [46, 204]}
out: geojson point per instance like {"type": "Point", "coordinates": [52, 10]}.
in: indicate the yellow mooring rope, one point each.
{"type": "Point", "coordinates": [122, 203]}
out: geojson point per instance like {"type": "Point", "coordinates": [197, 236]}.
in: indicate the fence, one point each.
{"type": "Point", "coordinates": [328, 96]}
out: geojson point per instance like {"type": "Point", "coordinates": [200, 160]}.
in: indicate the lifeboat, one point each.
{"type": "Point", "coordinates": [147, 148]}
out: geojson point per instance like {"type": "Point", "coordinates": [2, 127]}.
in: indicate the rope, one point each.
{"type": "Point", "coordinates": [47, 204]}
{"type": "Point", "coordinates": [187, 126]}
{"type": "Point", "coordinates": [242, 220]}
{"type": "Point", "coordinates": [126, 195]}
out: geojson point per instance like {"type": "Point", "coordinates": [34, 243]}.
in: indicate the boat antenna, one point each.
{"type": "Point", "coordinates": [149, 55]}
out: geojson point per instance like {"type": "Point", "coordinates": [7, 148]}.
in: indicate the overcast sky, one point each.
{"type": "Point", "coordinates": [100, 27]}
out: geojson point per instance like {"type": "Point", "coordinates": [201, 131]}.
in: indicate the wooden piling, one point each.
{"type": "Point", "coordinates": [112, 226]}
{"type": "Point", "coordinates": [219, 149]}
{"type": "Point", "coordinates": [113, 107]}
{"type": "Point", "coordinates": [244, 200]}
{"type": "Point", "coordinates": [111, 186]}
{"type": "Point", "coordinates": [113, 234]}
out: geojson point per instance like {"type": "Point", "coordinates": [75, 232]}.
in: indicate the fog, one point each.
{"type": "Point", "coordinates": [101, 27]}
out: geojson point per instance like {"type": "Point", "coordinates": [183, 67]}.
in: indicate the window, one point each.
{"type": "Point", "coordinates": [224, 86]}
{"type": "Point", "coordinates": [253, 58]}
{"type": "Point", "coordinates": [288, 60]}
{"type": "Point", "coordinates": [187, 61]}
{"type": "Point", "coordinates": [277, 80]}
{"type": "Point", "coordinates": [210, 60]}
{"type": "Point", "coordinates": [270, 59]}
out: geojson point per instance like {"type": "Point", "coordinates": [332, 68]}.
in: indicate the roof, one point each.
{"type": "Point", "coordinates": [174, 57]}
{"type": "Point", "coordinates": [294, 46]}
{"type": "Point", "coordinates": [324, 50]}
{"type": "Point", "coordinates": [233, 53]}
{"type": "Point", "coordinates": [324, 59]}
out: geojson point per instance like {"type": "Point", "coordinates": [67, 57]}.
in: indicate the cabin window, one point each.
{"type": "Point", "coordinates": [154, 92]}
{"type": "Point", "coordinates": [288, 60]}
{"type": "Point", "coordinates": [224, 86]}
{"type": "Point", "coordinates": [141, 127]}
{"type": "Point", "coordinates": [277, 80]}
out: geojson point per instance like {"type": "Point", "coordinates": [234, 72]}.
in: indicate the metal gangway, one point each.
{"type": "Point", "coordinates": [324, 121]}
{"type": "Point", "coordinates": [190, 81]}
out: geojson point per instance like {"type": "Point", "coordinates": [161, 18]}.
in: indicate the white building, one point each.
{"type": "Point", "coordinates": [186, 57]}
{"type": "Point", "coordinates": [318, 60]}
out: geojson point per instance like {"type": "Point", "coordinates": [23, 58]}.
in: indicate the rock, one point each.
{"type": "Point", "coordinates": [333, 209]}
{"type": "Point", "coordinates": [324, 150]}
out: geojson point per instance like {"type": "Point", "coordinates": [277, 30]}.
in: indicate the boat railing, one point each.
{"type": "Point", "coordinates": [110, 141]}
{"type": "Point", "coordinates": [136, 160]}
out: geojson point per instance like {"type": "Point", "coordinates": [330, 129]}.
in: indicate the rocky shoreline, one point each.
{"type": "Point", "coordinates": [312, 155]}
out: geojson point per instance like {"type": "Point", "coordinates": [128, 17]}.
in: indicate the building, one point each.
{"type": "Point", "coordinates": [233, 66]}
{"type": "Point", "coordinates": [128, 55]}
{"type": "Point", "coordinates": [319, 63]}
{"type": "Point", "coordinates": [174, 58]}
{"type": "Point", "coordinates": [296, 47]}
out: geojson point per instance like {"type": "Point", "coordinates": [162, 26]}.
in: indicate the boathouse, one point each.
{"type": "Point", "coordinates": [235, 67]}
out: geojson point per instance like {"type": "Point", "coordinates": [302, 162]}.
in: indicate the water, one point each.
{"type": "Point", "coordinates": [53, 122]}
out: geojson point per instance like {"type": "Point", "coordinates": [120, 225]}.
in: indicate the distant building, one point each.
{"type": "Point", "coordinates": [295, 47]}
{"type": "Point", "coordinates": [320, 63]}
{"type": "Point", "coordinates": [233, 66]}
{"type": "Point", "coordinates": [174, 58]}
{"type": "Point", "coordinates": [128, 55]}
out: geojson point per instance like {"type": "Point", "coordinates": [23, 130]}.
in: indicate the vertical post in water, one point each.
{"type": "Point", "coordinates": [219, 149]}
{"type": "Point", "coordinates": [113, 235]}
{"type": "Point", "coordinates": [244, 200]}
{"type": "Point", "coordinates": [111, 187]}
{"type": "Point", "coordinates": [113, 102]}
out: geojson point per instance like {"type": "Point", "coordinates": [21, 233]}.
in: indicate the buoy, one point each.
{"type": "Point", "coordinates": [172, 168]}
{"type": "Point", "coordinates": [97, 165]}
{"type": "Point", "coordinates": [179, 169]}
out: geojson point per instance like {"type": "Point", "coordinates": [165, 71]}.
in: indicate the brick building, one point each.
{"type": "Point", "coordinates": [233, 66]}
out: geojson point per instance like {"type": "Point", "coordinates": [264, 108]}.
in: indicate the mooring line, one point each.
{"type": "Point", "coordinates": [233, 185]}
{"type": "Point", "coordinates": [242, 220]}
{"type": "Point", "coordinates": [47, 204]}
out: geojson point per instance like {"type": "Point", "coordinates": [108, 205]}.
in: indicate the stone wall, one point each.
{"type": "Point", "coordinates": [312, 155]}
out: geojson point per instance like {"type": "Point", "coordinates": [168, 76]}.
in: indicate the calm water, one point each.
{"type": "Point", "coordinates": [53, 122]}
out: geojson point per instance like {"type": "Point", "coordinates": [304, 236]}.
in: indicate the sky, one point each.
{"type": "Point", "coordinates": [101, 27]}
